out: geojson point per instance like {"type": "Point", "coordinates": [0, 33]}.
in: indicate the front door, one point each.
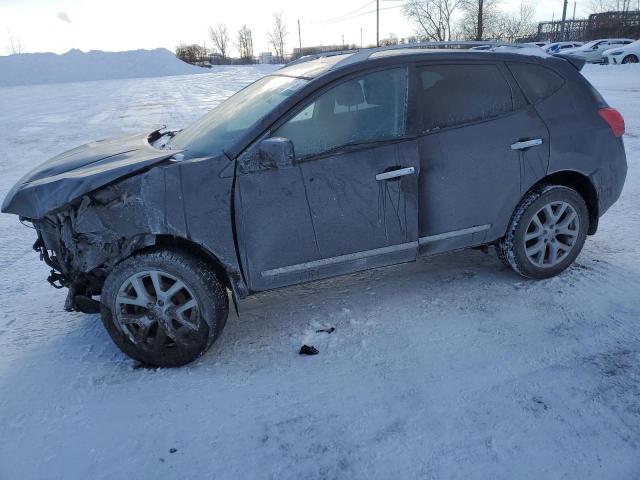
{"type": "Point", "coordinates": [350, 202]}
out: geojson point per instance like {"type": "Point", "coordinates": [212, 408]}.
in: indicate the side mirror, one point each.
{"type": "Point", "coordinates": [276, 152]}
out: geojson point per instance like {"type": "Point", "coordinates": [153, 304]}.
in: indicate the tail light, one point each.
{"type": "Point", "coordinates": [613, 119]}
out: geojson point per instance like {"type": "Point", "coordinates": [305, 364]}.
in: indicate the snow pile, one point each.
{"type": "Point", "coordinates": [78, 66]}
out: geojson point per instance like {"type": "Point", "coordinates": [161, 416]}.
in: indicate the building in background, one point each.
{"type": "Point", "coordinates": [266, 57]}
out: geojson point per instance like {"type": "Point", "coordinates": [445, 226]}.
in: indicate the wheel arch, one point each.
{"type": "Point", "coordinates": [581, 184]}
{"type": "Point", "coordinates": [229, 279]}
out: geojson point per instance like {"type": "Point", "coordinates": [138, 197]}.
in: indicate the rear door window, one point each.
{"type": "Point", "coordinates": [451, 95]}
{"type": "Point", "coordinates": [536, 81]}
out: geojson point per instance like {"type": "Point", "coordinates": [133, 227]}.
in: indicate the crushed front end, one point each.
{"type": "Point", "coordinates": [81, 250]}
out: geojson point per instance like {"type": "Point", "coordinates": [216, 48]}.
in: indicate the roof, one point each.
{"type": "Point", "coordinates": [314, 65]}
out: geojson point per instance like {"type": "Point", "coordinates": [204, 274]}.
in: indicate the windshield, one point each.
{"type": "Point", "coordinates": [591, 43]}
{"type": "Point", "coordinates": [233, 117]}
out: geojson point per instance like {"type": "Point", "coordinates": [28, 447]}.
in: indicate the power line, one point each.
{"type": "Point", "coordinates": [331, 20]}
{"type": "Point", "coordinates": [361, 14]}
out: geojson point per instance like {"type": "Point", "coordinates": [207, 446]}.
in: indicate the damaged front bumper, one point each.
{"type": "Point", "coordinates": [79, 297]}
{"type": "Point", "coordinates": [81, 250]}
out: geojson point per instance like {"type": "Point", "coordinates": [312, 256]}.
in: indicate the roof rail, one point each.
{"type": "Point", "coordinates": [315, 56]}
{"type": "Point", "coordinates": [364, 53]}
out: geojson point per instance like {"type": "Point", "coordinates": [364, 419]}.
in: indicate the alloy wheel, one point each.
{"type": "Point", "coordinates": [156, 310]}
{"type": "Point", "coordinates": [551, 234]}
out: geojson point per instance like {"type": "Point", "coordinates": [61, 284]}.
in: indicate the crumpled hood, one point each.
{"type": "Point", "coordinates": [70, 175]}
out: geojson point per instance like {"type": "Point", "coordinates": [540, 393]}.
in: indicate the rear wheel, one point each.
{"type": "Point", "coordinates": [630, 59]}
{"type": "Point", "coordinates": [546, 233]}
{"type": "Point", "coordinates": [163, 308]}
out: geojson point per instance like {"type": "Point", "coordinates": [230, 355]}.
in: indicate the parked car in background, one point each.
{"type": "Point", "coordinates": [537, 44]}
{"type": "Point", "coordinates": [626, 54]}
{"type": "Point", "coordinates": [558, 47]}
{"type": "Point", "coordinates": [592, 52]}
{"type": "Point", "coordinates": [328, 166]}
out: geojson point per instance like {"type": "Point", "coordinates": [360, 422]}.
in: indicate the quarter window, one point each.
{"type": "Point", "coordinates": [364, 109]}
{"type": "Point", "coordinates": [451, 95]}
{"type": "Point", "coordinates": [537, 82]}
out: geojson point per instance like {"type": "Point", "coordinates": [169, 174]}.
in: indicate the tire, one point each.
{"type": "Point", "coordinates": [544, 223]}
{"type": "Point", "coordinates": [163, 308]}
{"type": "Point", "coordinates": [502, 257]}
{"type": "Point", "coordinates": [630, 59]}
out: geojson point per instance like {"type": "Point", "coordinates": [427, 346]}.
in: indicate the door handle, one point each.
{"type": "Point", "coordinates": [526, 144]}
{"type": "Point", "coordinates": [401, 172]}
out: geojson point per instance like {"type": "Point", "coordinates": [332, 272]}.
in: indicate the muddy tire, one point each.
{"type": "Point", "coordinates": [164, 308]}
{"type": "Point", "coordinates": [546, 232]}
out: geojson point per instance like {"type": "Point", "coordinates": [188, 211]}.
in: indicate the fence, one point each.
{"type": "Point", "coordinates": [598, 25]}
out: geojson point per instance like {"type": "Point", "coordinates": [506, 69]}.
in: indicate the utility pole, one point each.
{"type": "Point", "coordinates": [564, 19]}
{"type": "Point", "coordinates": [480, 26]}
{"type": "Point", "coordinates": [343, 40]}
{"type": "Point", "coordinates": [361, 35]}
{"type": "Point", "coordinates": [299, 37]}
{"type": "Point", "coordinates": [574, 11]}
{"type": "Point", "coordinates": [377, 23]}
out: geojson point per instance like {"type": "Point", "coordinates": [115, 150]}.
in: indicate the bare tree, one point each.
{"type": "Point", "coordinates": [479, 20]}
{"type": "Point", "coordinates": [602, 6]}
{"type": "Point", "coordinates": [514, 26]}
{"type": "Point", "coordinates": [432, 17]}
{"type": "Point", "coordinates": [190, 53]}
{"type": "Point", "coordinates": [16, 47]}
{"type": "Point", "coordinates": [220, 39]}
{"type": "Point", "coordinates": [597, 6]}
{"type": "Point", "coordinates": [245, 44]}
{"type": "Point", "coordinates": [278, 36]}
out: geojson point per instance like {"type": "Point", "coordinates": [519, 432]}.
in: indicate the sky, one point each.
{"type": "Point", "coordinates": [60, 25]}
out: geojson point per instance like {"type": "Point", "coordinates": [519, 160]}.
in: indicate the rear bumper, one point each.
{"type": "Point", "coordinates": [609, 178]}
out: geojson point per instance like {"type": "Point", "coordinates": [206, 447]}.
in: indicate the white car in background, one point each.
{"type": "Point", "coordinates": [592, 51]}
{"type": "Point", "coordinates": [626, 54]}
{"type": "Point", "coordinates": [537, 44]}
{"type": "Point", "coordinates": [559, 47]}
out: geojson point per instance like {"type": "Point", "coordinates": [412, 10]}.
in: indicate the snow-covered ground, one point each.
{"type": "Point", "coordinates": [451, 367]}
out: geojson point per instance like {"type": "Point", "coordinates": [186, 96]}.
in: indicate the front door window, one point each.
{"type": "Point", "coordinates": [369, 108]}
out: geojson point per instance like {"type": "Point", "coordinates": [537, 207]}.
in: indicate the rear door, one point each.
{"type": "Point", "coordinates": [478, 140]}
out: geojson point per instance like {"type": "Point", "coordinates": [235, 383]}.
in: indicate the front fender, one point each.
{"type": "Point", "coordinates": [186, 200]}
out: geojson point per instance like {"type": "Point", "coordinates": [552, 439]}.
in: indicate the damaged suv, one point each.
{"type": "Point", "coordinates": [330, 165]}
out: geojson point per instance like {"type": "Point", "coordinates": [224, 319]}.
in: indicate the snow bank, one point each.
{"type": "Point", "coordinates": [78, 66]}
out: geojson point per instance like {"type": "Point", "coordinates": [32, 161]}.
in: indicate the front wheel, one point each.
{"type": "Point", "coordinates": [164, 308]}
{"type": "Point", "coordinates": [630, 59]}
{"type": "Point", "coordinates": [546, 232]}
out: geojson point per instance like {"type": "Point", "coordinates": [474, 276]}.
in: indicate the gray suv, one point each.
{"type": "Point", "coordinates": [330, 165]}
